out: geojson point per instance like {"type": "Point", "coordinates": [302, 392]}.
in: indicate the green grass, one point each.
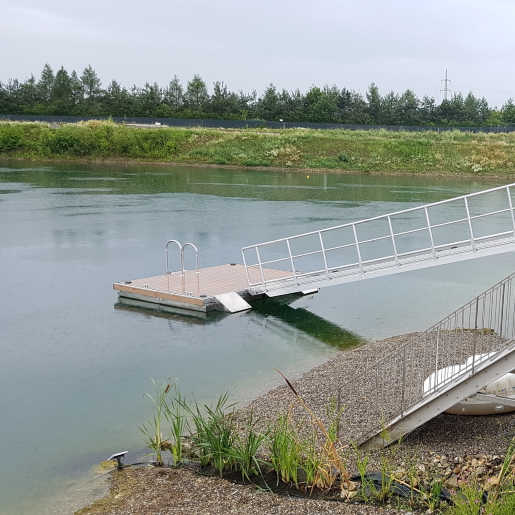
{"type": "Point", "coordinates": [375, 151]}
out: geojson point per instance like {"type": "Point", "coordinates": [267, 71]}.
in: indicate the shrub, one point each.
{"type": "Point", "coordinates": [11, 137]}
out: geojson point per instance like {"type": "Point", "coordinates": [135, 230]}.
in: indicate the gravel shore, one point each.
{"type": "Point", "coordinates": [444, 444]}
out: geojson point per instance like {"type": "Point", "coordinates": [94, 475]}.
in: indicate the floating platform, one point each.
{"type": "Point", "coordinates": [222, 288]}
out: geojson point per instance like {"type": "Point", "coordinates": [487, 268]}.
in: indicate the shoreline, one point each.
{"type": "Point", "coordinates": [134, 162]}
{"type": "Point", "coordinates": [447, 437]}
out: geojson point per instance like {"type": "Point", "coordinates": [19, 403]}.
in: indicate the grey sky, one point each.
{"type": "Point", "coordinates": [397, 44]}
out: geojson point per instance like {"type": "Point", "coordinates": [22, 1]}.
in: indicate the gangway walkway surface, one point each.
{"type": "Point", "coordinates": [451, 361]}
{"type": "Point", "coordinates": [461, 228]}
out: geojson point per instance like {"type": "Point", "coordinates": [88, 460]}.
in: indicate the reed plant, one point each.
{"type": "Point", "coordinates": [311, 462]}
{"type": "Point", "coordinates": [246, 447]}
{"type": "Point", "coordinates": [176, 416]}
{"type": "Point", "coordinates": [153, 433]}
{"type": "Point", "coordinates": [362, 459]}
{"type": "Point", "coordinates": [285, 450]}
{"type": "Point", "coordinates": [331, 465]}
{"type": "Point", "coordinates": [214, 433]}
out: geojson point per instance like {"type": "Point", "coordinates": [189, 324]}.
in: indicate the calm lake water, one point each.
{"type": "Point", "coordinates": [74, 366]}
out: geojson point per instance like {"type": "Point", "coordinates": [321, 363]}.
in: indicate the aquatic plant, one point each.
{"type": "Point", "coordinates": [153, 432]}
{"type": "Point", "coordinates": [330, 464]}
{"type": "Point", "coordinates": [246, 447]}
{"type": "Point", "coordinates": [214, 433]}
{"type": "Point", "coordinates": [176, 417]}
{"type": "Point", "coordinates": [285, 450]}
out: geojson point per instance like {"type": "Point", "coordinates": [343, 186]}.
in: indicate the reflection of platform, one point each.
{"type": "Point", "coordinates": [194, 290]}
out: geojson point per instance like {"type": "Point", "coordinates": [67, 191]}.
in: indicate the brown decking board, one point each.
{"type": "Point", "coordinates": [210, 282]}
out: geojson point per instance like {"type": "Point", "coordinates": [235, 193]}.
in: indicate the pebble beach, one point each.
{"type": "Point", "coordinates": [447, 447]}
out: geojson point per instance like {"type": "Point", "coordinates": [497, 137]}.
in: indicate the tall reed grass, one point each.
{"type": "Point", "coordinates": [304, 452]}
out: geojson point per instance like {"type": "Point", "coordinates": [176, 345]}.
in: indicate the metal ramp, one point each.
{"type": "Point", "coordinates": [453, 360]}
{"type": "Point", "coordinates": [466, 227]}
{"type": "Point", "coordinates": [232, 302]}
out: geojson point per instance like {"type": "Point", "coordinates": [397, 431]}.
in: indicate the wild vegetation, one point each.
{"type": "Point", "coordinates": [376, 151]}
{"type": "Point", "coordinates": [301, 454]}
{"type": "Point", "coordinates": [64, 93]}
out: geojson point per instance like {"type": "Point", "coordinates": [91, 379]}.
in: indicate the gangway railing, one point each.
{"type": "Point", "coordinates": [424, 369]}
{"type": "Point", "coordinates": [481, 223]}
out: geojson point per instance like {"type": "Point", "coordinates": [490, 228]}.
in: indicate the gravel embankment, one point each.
{"type": "Point", "coordinates": [444, 447]}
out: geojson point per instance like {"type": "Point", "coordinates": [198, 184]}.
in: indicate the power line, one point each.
{"type": "Point", "coordinates": [482, 89]}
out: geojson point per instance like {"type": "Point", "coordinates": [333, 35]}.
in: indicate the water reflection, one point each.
{"type": "Point", "coordinates": [305, 321]}
{"type": "Point", "coordinates": [253, 184]}
{"type": "Point", "coordinates": [270, 314]}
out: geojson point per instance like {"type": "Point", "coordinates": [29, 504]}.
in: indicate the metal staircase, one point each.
{"type": "Point", "coordinates": [466, 227]}
{"type": "Point", "coordinates": [449, 362]}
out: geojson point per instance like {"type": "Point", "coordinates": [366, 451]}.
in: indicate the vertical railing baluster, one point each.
{"type": "Point", "coordinates": [433, 250]}
{"type": "Point", "coordinates": [475, 336]}
{"type": "Point", "coordinates": [436, 356]}
{"type": "Point", "coordinates": [403, 381]}
{"type": "Point", "coordinates": [245, 265]}
{"type": "Point", "coordinates": [261, 268]}
{"type": "Point", "coordinates": [472, 241]}
{"type": "Point", "coordinates": [511, 208]}
{"type": "Point", "coordinates": [323, 254]}
{"type": "Point", "coordinates": [357, 249]}
{"type": "Point", "coordinates": [292, 263]}
{"type": "Point", "coordinates": [339, 408]}
{"type": "Point", "coordinates": [396, 257]}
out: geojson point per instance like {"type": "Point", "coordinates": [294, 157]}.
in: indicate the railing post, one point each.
{"type": "Point", "coordinates": [323, 254]}
{"type": "Point", "coordinates": [433, 250]}
{"type": "Point", "coordinates": [377, 388]}
{"type": "Point", "coordinates": [261, 268]}
{"type": "Point", "coordinates": [338, 408]}
{"type": "Point", "coordinates": [403, 382]}
{"type": "Point", "coordinates": [502, 311]}
{"type": "Point", "coordinates": [292, 263]}
{"type": "Point", "coordinates": [511, 208]}
{"type": "Point", "coordinates": [357, 249]}
{"type": "Point", "coordinates": [393, 241]}
{"type": "Point", "coordinates": [245, 265]}
{"type": "Point", "coordinates": [475, 336]}
{"type": "Point", "coordinates": [436, 357]}
{"type": "Point", "coordinates": [472, 241]}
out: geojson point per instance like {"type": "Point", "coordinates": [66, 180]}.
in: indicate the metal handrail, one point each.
{"type": "Point", "coordinates": [181, 250]}
{"type": "Point", "coordinates": [463, 237]}
{"type": "Point", "coordinates": [445, 354]}
{"type": "Point", "coordinates": [196, 255]}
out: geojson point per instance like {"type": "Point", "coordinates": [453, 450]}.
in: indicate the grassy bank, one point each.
{"type": "Point", "coordinates": [447, 153]}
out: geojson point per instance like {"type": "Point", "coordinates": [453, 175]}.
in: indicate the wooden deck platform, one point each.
{"type": "Point", "coordinates": [193, 290]}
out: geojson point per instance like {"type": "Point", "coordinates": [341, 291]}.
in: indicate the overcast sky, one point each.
{"type": "Point", "coordinates": [397, 44]}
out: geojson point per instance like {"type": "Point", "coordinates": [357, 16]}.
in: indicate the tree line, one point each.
{"type": "Point", "coordinates": [68, 94]}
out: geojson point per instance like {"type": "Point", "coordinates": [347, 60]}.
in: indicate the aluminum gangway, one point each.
{"type": "Point", "coordinates": [461, 228]}
{"type": "Point", "coordinates": [451, 361]}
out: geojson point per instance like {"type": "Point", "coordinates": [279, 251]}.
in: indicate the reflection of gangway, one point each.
{"type": "Point", "coordinates": [476, 225]}
{"type": "Point", "coordinates": [451, 361]}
